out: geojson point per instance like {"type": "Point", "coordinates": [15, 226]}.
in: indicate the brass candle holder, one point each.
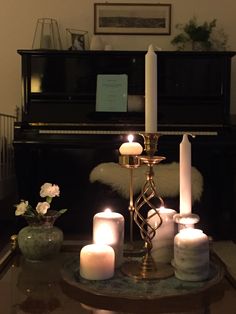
{"type": "Point", "coordinates": [131, 162]}
{"type": "Point", "coordinates": [148, 199]}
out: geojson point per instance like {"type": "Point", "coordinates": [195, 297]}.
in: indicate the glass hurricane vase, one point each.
{"type": "Point", "coordinates": [40, 240]}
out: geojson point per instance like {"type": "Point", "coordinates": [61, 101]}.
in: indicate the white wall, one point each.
{"type": "Point", "coordinates": [18, 21]}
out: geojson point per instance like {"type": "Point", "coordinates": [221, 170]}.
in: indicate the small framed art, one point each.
{"type": "Point", "coordinates": [132, 19]}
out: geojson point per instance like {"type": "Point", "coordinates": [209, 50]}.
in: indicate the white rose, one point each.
{"type": "Point", "coordinates": [21, 208]}
{"type": "Point", "coordinates": [48, 189]}
{"type": "Point", "coordinates": [42, 207]}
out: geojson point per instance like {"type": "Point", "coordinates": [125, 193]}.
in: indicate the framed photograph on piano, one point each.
{"type": "Point", "coordinates": [132, 19]}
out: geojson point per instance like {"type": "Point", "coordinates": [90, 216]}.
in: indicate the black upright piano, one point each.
{"type": "Point", "coordinates": [61, 137]}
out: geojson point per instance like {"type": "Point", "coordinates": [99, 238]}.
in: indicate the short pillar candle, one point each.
{"type": "Point", "coordinates": [163, 241]}
{"type": "Point", "coordinates": [191, 255]}
{"type": "Point", "coordinates": [130, 147]}
{"type": "Point", "coordinates": [108, 228]}
{"type": "Point", "coordinates": [97, 262]}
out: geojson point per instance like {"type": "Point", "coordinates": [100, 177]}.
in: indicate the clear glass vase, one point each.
{"type": "Point", "coordinates": [40, 240]}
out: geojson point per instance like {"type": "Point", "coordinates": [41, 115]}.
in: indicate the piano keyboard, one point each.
{"type": "Point", "coordinates": [117, 132]}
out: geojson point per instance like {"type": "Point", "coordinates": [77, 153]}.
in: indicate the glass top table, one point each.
{"type": "Point", "coordinates": [51, 287]}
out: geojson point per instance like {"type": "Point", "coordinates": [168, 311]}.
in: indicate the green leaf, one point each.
{"type": "Point", "coordinates": [29, 213]}
{"type": "Point", "coordinates": [62, 211]}
{"type": "Point", "coordinates": [179, 39]}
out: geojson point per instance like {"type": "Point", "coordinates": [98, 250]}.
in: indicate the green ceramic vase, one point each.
{"type": "Point", "coordinates": [40, 240]}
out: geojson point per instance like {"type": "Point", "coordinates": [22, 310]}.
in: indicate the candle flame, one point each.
{"type": "Point", "coordinates": [130, 138]}
{"type": "Point", "coordinates": [108, 210]}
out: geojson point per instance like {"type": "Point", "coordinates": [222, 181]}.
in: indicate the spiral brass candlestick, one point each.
{"type": "Point", "coordinates": [148, 199]}
{"type": "Point", "coordinates": [131, 162]}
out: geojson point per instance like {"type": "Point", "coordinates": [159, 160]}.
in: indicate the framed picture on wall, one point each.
{"type": "Point", "coordinates": [132, 19]}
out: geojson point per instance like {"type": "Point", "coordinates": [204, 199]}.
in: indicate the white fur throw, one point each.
{"type": "Point", "coordinates": [166, 179]}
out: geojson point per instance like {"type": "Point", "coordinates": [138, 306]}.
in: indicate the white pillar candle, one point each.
{"type": "Point", "coordinates": [108, 228]}
{"type": "Point", "coordinates": [163, 241]}
{"type": "Point", "coordinates": [97, 262]}
{"type": "Point", "coordinates": [151, 91]}
{"type": "Point", "coordinates": [131, 148]}
{"type": "Point", "coordinates": [185, 182]}
{"type": "Point", "coordinates": [191, 255]}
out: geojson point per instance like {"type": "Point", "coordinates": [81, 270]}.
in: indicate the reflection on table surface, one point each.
{"type": "Point", "coordinates": [27, 287]}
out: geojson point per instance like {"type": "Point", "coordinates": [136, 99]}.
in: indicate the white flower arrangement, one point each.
{"type": "Point", "coordinates": [48, 191]}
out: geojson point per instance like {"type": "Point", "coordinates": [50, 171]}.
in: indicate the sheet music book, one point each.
{"type": "Point", "coordinates": [112, 93]}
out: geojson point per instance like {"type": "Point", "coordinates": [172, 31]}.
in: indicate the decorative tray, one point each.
{"type": "Point", "coordinates": [118, 290]}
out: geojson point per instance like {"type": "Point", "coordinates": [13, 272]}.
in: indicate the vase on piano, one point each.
{"type": "Point", "coordinates": [40, 240]}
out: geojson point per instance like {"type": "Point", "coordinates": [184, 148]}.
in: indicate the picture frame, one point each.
{"type": "Point", "coordinates": [78, 39]}
{"type": "Point", "coordinates": [132, 19]}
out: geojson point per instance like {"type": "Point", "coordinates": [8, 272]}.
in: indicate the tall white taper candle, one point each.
{"type": "Point", "coordinates": [150, 91]}
{"type": "Point", "coordinates": [185, 183]}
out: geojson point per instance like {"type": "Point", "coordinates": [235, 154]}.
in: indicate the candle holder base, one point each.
{"type": "Point", "coordinates": [150, 142]}
{"type": "Point", "coordinates": [129, 161]}
{"type": "Point", "coordinates": [186, 220]}
{"type": "Point", "coordinates": [135, 270]}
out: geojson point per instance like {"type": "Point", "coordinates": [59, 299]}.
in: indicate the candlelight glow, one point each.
{"type": "Point", "coordinates": [187, 220]}
{"type": "Point", "coordinates": [130, 138]}
{"type": "Point", "coordinates": [130, 147]}
{"type": "Point", "coordinates": [104, 234]}
{"type": "Point", "coordinates": [165, 210]}
{"type": "Point", "coordinates": [191, 233]}
{"type": "Point", "coordinates": [108, 228]}
{"type": "Point", "coordinates": [36, 84]}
